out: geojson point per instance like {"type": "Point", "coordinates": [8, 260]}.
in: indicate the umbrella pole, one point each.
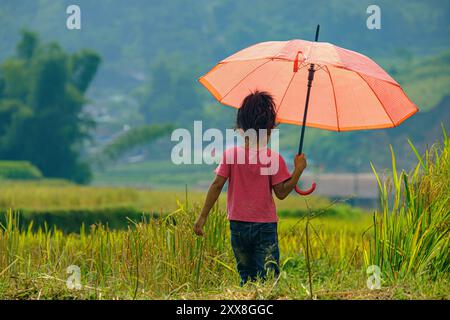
{"type": "Point", "coordinates": [305, 114]}
{"type": "Point", "coordinates": [310, 80]}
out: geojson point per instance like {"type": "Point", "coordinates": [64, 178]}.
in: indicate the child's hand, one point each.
{"type": "Point", "coordinates": [300, 162]}
{"type": "Point", "coordinates": [198, 226]}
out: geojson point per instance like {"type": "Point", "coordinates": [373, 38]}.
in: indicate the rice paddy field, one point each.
{"type": "Point", "coordinates": [328, 250]}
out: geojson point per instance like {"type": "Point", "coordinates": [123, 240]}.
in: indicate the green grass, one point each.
{"type": "Point", "coordinates": [161, 258]}
{"type": "Point", "coordinates": [412, 232]}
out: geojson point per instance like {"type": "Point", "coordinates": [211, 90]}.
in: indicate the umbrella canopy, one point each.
{"type": "Point", "coordinates": [350, 91]}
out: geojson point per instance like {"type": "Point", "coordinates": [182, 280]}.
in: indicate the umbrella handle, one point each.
{"type": "Point", "coordinates": [306, 192]}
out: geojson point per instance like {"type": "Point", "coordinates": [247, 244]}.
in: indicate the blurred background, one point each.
{"type": "Point", "coordinates": [97, 105]}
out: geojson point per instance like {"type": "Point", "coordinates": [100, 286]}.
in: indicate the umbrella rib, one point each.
{"type": "Point", "coordinates": [285, 92]}
{"type": "Point", "coordinates": [246, 76]}
{"type": "Point", "coordinates": [288, 86]}
{"type": "Point", "coordinates": [373, 91]}
{"type": "Point", "coordinates": [334, 96]}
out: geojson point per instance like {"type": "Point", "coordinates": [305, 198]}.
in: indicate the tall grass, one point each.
{"type": "Point", "coordinates": [162, 258]}
{"type": "Point", "coordinates": [411, 231]}
{"type": "Point", "coordinates": [158, 256]}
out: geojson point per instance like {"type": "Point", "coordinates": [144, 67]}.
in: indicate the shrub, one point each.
{"type": "Point", "coordinates": [23, 170]}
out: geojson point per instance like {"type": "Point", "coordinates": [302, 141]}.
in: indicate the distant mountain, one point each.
{"type": "Point", "coordinates": [424, 128]}
{"type": "Point", "coordinates": [130, 34]}
{"type": "Point", "coordinates": [153, 52]}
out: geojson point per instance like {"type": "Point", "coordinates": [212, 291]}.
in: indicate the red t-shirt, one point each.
{"type": "Point", "coordinates": [251, 175]}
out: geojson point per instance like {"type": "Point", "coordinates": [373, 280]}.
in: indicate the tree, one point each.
{"type": "Point", "coordinates": [41, 107]}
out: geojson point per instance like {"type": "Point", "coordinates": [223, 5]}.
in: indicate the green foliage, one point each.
{"type": "Point", "coordinates": [412, 230]}
{"type": "Point", "coordinates": [26, 48]}
{"type": "Point", "coordinates": [427, 82]}
{"type": "Point", "coordinates": [13, 115]}
{"type": "Point", "coordinates": [84, 65]}
{"type": "Point", "coordinates": [133, 138]}
{"type": "Point", "coordinates": [41, 101]}
{"type": "Point", "coordinates": [171, 93]}
{"type": "Point", "coordinates": [22, 170]}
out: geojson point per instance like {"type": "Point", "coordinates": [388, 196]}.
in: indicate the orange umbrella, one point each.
{"type": "Point", "coordinates": [351, 92]}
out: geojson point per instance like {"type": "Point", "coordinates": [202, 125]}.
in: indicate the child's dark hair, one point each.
{"type": "Point", "coordinates": [256, 112]}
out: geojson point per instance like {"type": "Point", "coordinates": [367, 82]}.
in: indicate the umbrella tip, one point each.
{"type": "Point", "coordinates": [317, 32]}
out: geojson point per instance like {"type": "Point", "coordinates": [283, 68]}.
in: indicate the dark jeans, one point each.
{"type": "Point", "coordinates": [255, 246]}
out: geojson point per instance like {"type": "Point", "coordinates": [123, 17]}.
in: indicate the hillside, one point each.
{"type": "Point", "coordinates": [130, 34]}
{"type": "Point", "coordinates": [153, 52]}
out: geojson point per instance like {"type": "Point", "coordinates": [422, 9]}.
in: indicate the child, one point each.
{"type": "Point", "coordinates": [250, 205]}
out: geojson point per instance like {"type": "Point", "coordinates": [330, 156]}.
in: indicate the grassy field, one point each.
{"type": "Point", "coordinates": [156, 174]}
{"type": "Point", "coordinates": [322, 257]}
{"type": "Point", "coordinates": [67, 206]}
{"type": "Point", "coordinates": [58, 194]}
{"type": "Point", "coordinates": [157, 259]}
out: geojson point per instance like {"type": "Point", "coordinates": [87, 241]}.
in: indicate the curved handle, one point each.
{"type": "Point", "coordinates": [306, 192]}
